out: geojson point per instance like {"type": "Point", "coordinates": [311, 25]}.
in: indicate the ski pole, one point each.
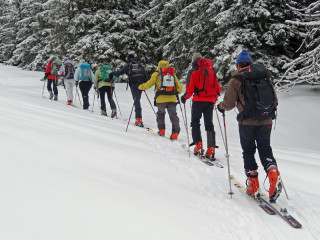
{"type": "Point", "coordinates": [227, 152]}
{"type": "Point", "coordinates": [285, 191]}
{"type": "Point", "coordinates": [184, 122]}
{"type": "Point", "coordinates": [44, 83]}
{"type": "Point", "coordinates": [114, 91]}
{"type": "Point", "coordinates": [220, 128]}
{"type": "Point", "coordinates": [130, 117]}
{"type": "Point", "coordinates": [94, 98]}
{"type": "Point", "coordinates": [185, 112]}
{"type": "Point", "coordinates": [75, 98]}
{"type": "Point", "coordinates": [98, 96]}
{"type": "Point", "coordinates": [150, 102]}
{"type": "Point", "coordinates": [78, 95]}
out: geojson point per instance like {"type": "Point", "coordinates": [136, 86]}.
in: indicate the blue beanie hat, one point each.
{"type": "Point", "coordinates": [244, 56]}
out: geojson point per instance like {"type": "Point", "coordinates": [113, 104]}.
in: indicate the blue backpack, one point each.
{"type": "Point", "coordinates": [85, 72]}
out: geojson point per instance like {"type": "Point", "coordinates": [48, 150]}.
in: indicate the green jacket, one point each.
{"type": "Point", "coordinates": [98, 81]}
{"type": "Point", "coordinates": [155, 80]}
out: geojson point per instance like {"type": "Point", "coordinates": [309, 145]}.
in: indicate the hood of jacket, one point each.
{"type": "Point", "coordinates": [106, 68]}
{"type": "Point", "coordinates": [195, 62]}
{"type": "Point", "coordinates": [239, 73]}
{"type": "Point", "coordinates": [161, 64]}
{"type": "Point", "coordinates": [82, 64]}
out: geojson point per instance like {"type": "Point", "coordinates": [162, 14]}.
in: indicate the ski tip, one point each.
{"type": "Point", "coordinates": [293, 222]}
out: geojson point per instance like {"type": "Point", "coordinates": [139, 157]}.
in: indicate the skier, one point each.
{"type": "Point", "coordinates": [104, 84]}
{"type": "Point", "coordinates": [137, 75]}
{"type": "Point", "coordinates": [84, 78]}
{"type": "Point", "coordinates": [254, 129]}
{"type": "Point", "coordinates": [51, 74]}
{"type": "Point", "coordinates": [167, 89]}
{"type": "Point", "coordinates": [194, 66]}
{"type": "Point", "coordinates": [67, 70]}
{"type": "Point", "coordinates": [204, 86]}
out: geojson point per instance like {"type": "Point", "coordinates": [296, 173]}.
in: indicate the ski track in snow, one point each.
{"type": "Point", "coordinates": [68, 174]}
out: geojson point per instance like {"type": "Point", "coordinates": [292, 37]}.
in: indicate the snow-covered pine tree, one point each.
{"type": "Point", "coordinates": [306, 67]}
{"type": "Point", "coordinates": [257, 26]}
{"type": "Point", "coordinates": [8, 17]}
{"type": "Point", "coordinates": [105, 32]}
{"type": "Point", "coordinates": [30, 37]}
{"type": "Point", "coordinates": [100, 32]}
{"type": "Point", "coordinates": [185, 34]}
{"type": "Point", "coordinates": [160, 31]}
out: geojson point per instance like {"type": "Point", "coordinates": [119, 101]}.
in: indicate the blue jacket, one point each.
{"type": "Point", "coordinates": [77, 74]}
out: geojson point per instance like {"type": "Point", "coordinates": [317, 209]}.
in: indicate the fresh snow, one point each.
{"type": "Point", "coordinates": [67, 173]}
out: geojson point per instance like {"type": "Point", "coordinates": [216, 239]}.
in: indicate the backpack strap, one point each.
{"type": "Point", "coordinates": [241, 79]}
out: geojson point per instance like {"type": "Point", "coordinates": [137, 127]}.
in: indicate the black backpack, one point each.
{"type": "Point", "coordinates": [258, 94]}
{"type": "Point", "coordinates": [136, 73]}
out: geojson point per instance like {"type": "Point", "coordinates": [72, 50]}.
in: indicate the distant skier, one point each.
{"type": "Point", "coordinates": [137, 75]}
{"type": "Point", "coordinates": [203, 84]}
{"type": "Point", "coordinates": [67, 71]}
{"type": "Point", "coordinates": [104, 84]}
{"type": "Point", "coordinates": [85, 78]}
{"type": "Point", "coordinates": [51, 74]}
{"type": "Point", "coordinates": [167, 89]}
{"type": "Point", "coordinates": [255, 120]}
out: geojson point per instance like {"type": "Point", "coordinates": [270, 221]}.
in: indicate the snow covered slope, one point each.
{"type": "Point", "coordinates": [71, 174]}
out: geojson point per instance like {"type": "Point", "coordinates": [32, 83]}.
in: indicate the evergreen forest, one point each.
{"type": "Point", "coordinates": [284, 35]}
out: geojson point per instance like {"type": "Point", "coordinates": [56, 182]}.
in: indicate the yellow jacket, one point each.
{"type": "Point", "coordinates": [155, 80]}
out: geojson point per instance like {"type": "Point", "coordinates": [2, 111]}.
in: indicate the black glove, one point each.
{"type": "Point", "coordinates": [46, 75]}
{"type": "Point", "coordinates": [220, 109]}
{"type": "Point", "coordinates": [77, 83]}
{"type": "Point", "coordinates": [111, 76]}
{"type": "Point", "coordinates": [183, 100]}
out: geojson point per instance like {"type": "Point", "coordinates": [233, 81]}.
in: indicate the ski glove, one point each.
{"type": "Point", "coordinates": [183, 100]}
{"type": "Point", "coordinates": [220, 109]}
{"type": "Point", "coordinates": [77, 83]}
{"type": "Point", "coordinates": [46, 75]}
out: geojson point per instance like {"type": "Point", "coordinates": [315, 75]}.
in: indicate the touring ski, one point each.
{"type": "Point", "coordinates": [203, 159]}
{"type": "Point", "coordinates": [269, 208]}
{"type": "Point", "coordinates": [283, 212]}
{"type": "Point", "coordinates": [150, 130]}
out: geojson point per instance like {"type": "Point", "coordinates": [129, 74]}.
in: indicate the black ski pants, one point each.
{"type": "Point", "coordinates": [109, 90]}
{"type": "Point", "coordinates": [55, 84]}
{"type": "Point", "coordinates": [136, 95]}
{"type": "Point", "coordinates": [254, 137]}
{"type": "Point", "coordinates": [206, 109]}
{"type": "Point", "coordinates": [85, 87]}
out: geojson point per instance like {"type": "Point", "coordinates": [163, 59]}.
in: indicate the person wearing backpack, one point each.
{"type": "Point", "coordinates": [167, 87]}
{"type": "Point", "coordinates": [84, 77]}
{"type": "Point", "coordinates": [52, 75]}
{"type": "Point", "coordinates": [255, 120]}
{"type": "Point", "coordinates": [194, 66]}
{"type": "Point", "coordinates": [67, 71]}
{"type": "Point", "coordinates": [136, 75]}
{"type": "Point", "coordinates": [105, 85]}
{"type": "Point", "coordinates": [205, 88]}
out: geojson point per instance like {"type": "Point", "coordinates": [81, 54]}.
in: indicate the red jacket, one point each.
{"type": "Point", "coordinates": [50, 76]}
{"type": "Point", "coordinates": [196, 80]}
